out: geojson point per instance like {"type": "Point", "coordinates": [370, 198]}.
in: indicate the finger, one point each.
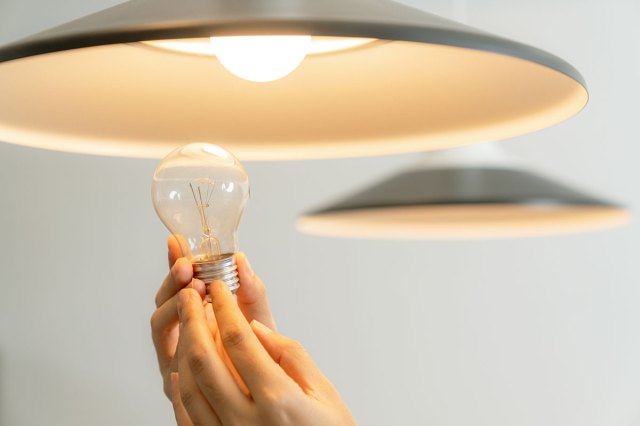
{"type": "Point", "coordinates": [178, 247]}
{"type": "Point", "coordinates": [211, 319]}
{"type": "Point", "coordinates": [163, 325]}
{"type": "Point", "coordinates": [182, 417]}
{"type": "Point", "coordinates": [252, 294]}
{"type": "Point", "coordinates": [179, 276]}
{"type": "Point", "coordinates": [213, 328]}
{"type": "Point", "coordinates": [164, 332]}
{"type": "Point", "coordinates": [165, 318]}
{"type": "Point", "coordinates": [292, 357]}
{"type": "Point", "coordinates": [198, 350]}
{"type": "Point", "coordinates": [192, 399]}
{"type": "Point", "coordinates": [175, 252]}
{"type": "Point", "coordinates": [252, 361]}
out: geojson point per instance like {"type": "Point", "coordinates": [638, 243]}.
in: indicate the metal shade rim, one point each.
{"type": "Point", "coordinates": [48, 42]}
{"type": "Point", "coordinates": [525, 202]}
{"type": "Point", "coordinates": [503, 222]}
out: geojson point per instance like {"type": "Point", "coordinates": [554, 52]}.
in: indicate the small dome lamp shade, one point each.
{"type": "Point", "coordinates": [463, 199]}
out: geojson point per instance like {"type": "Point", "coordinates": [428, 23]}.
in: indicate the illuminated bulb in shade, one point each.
{"type": "Point", "coordinates": [261, 58]}
{"type": "Point", "coordinates": [199, 192]}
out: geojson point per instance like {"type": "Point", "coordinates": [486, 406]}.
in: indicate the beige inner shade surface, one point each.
{"type": "Point", "coordinates": [125, 100]}
{"type": "Point", "coordinates": [459, 222]}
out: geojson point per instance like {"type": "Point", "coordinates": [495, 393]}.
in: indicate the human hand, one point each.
{"type": "Point", "coordinates": [252, 301]}
{"type": "Point", "coordinates": [284, 385]}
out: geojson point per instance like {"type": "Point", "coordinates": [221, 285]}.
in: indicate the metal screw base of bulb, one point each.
{"type": "Point", "coordinates": [223, 269]}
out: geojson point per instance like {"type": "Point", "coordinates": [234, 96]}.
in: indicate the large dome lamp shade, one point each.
{"type": "Point", "coordinates": [416, 82]}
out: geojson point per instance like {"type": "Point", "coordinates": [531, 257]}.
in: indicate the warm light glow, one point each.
{"type": "Point", "coordinates": [261, 58]}
{"type": "Point", "coordinates": [355, 102]}
{"type": "Point", "coordinates": [463, 222]}
{"type": "Point", "coordinates": [202, 46]}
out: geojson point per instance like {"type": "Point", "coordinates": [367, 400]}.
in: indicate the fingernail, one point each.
{"type": "Point", "coordinates": [174, 382]}
{"type": "Point", "coordinates": [260, 326]}
{"type": "Point", "coordinates": [199, 287]}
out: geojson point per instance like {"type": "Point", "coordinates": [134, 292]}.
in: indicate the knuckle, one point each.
{"type": "Point", "coordinates": [232, 337]}
{"type": "Point", "coordinates": [187, 397]}
{"type": "Point", "coordinates": [281, 403]}
{"type": "Point", "coordinates": [197, 359]}
{"type": "Point", "coordinates": [213, 392]}
{"type": "Point", "coordinates": [293, 347]}
{"type": "Point", "coordinates": [154, 321]}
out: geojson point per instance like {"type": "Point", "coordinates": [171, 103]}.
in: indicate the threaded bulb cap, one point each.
{"type": "Point", "coordinates": [223, 269]}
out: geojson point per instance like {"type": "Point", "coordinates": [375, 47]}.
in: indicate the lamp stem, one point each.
{"type": "Point", "coordinates": [486, 155]}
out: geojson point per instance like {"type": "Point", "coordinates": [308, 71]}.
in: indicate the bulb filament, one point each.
{"type": "Point", "coordinates": [202, 190]}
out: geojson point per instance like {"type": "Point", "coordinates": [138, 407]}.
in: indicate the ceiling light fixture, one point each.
{"type": "Point", "coordinates": [377, 77]}
{"type": "Point", "coordinates": [475, 192]}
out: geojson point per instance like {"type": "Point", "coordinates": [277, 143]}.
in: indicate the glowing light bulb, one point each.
{"type": "Point", "coordinates": [261, 58]}
{"type": "Point", "coordinates": [199, 192]}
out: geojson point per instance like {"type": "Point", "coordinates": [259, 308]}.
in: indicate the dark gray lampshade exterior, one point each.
{"type": "Point", "coordinates": [463, 202]}
{"type": "Point", "coordinates": [140, 20]}
{"type": "Point", "coordinates": [464, 186]}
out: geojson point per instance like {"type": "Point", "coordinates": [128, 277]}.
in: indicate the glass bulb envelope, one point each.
{"type": "Point", "coordinates": [199, 192]}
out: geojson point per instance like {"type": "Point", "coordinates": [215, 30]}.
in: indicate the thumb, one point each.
{"type": "Point", "coordinates": [291, 357]}
{"type": "Point", "coordinates": [252, 294]}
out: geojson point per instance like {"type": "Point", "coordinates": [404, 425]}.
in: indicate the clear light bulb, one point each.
{"type": "Point", "coordinates": [261, 58]}
{"type": "Point", "coordinates": [199, 192]}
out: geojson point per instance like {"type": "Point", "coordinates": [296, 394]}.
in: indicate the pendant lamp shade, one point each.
{"type": "Point", "coordinates": [463, 203]}
{"type": "Point", "coordinates": [392, 79]}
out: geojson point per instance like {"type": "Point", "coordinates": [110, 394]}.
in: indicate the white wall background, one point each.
{"type": "Point", "coordinates": [501, 333]}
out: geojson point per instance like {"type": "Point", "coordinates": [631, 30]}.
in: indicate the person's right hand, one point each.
{"type": "Point", "coordinates": [281, 385]}
{"type": "Point", "coordinates": [252, 300]}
